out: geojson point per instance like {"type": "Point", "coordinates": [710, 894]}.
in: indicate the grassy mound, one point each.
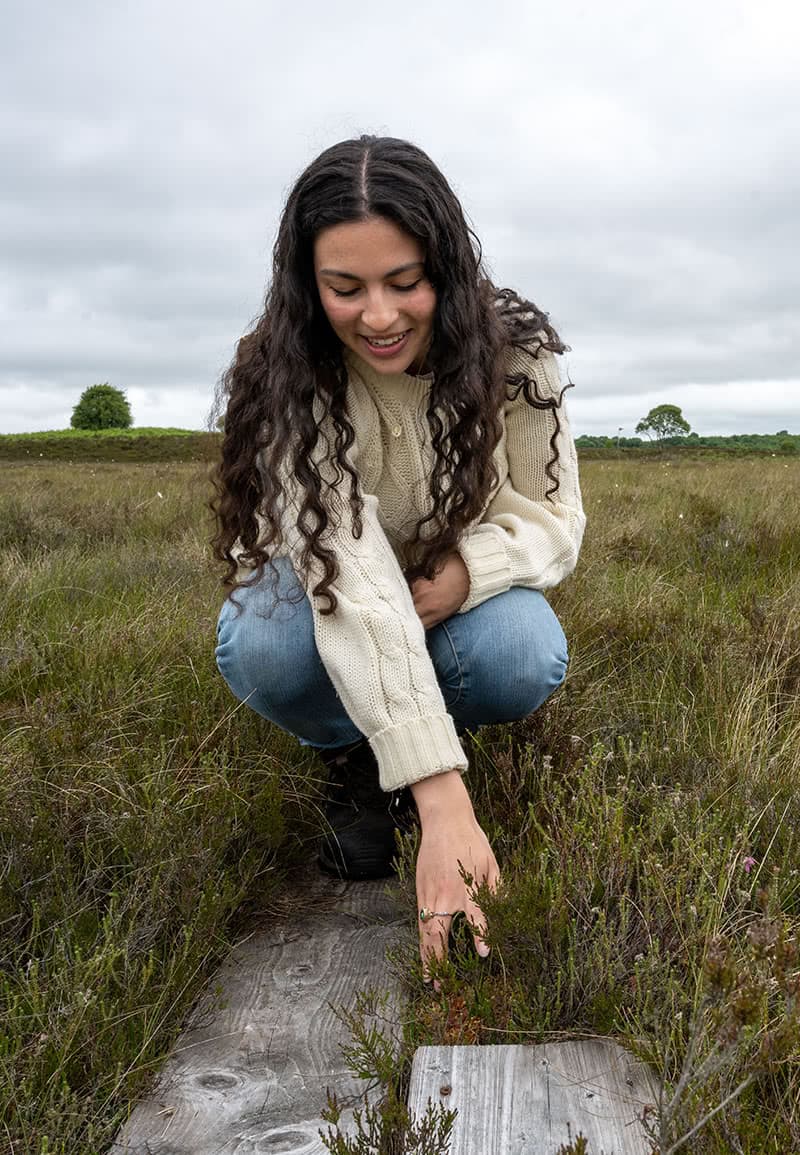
{"type": "Point", "coordinates": [113, 445]}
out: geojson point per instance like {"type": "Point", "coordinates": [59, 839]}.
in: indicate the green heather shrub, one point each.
{"type": "Point", "coordinates": [141, 812]}
{"type": "Point", "coordinates": [645, 819]}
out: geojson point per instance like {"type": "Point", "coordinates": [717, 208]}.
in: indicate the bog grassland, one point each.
{"type": "Point", "coordinates": [646, 819]}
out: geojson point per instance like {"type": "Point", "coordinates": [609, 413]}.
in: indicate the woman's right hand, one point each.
{"type": "Point", "coordinates": [452, 845]}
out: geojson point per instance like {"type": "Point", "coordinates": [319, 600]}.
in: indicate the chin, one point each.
{"type": "Point", "coordinates": [405, 364]}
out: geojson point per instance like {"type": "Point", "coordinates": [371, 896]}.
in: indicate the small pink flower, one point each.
{"type": "Point", "coordinates": [748, 863]}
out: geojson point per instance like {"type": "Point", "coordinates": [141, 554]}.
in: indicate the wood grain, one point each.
{"type": "Point", "coordinates": [517, 1100]}
{"type": "Point", "coordinates": [249, 1074]}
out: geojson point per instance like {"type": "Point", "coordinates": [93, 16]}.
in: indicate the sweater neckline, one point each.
{"type": "Point", "coordinates": [411, 385]}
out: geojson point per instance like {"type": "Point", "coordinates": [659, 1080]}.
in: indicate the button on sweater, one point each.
{"type": "Point", "coordinates": [373, 646]}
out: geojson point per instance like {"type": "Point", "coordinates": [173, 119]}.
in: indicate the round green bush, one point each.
{"type": "Point", "coordinates": [102, 407]}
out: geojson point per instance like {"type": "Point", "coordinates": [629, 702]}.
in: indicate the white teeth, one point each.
{"type": "Point", "coordinates": [383, 342]}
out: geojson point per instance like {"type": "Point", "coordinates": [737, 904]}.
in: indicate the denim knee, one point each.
{"type": "Point", "coordinates": [536, 676]}
{"type": "Point", "coordinates": [265, 650]}
{"type": "Point", "coordinates": [507, 656]}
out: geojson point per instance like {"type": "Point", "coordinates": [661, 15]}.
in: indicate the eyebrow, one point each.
{"type": "Point", "coordinates": [391, 273]}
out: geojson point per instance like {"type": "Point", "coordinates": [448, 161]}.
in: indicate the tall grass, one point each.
{"type": "Point", "coordinates": [645, 818]}
{"type": "Point", "coordinates": [139, 808]}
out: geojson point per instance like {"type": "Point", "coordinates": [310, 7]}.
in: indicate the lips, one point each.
{"type": "Point", "coordinates": [386, 342]}
{"type": "Point", "coordinates": [397, 346]}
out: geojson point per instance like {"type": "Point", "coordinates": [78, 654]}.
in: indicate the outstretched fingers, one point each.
{"type": "Point", "coordinates": [435, 924]}
{"type": "Point", "coordinates": [434, 933]}
{"type": "Point", "coordinates": [477, 924]}
{"type": "Point", "coordinates": [454, 863]}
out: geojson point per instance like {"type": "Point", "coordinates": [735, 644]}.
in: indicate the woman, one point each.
{"type": "Point", "coordinates": [397, 485]}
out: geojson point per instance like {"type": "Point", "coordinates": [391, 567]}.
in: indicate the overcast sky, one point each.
{"type": "Point", "coordinates": [633, 168]}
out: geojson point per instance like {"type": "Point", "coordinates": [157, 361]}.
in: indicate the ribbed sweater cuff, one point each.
{"type": "Point", "coordinates": [416, 750]}
{"type": "Point", "coordinates": [489, 568]}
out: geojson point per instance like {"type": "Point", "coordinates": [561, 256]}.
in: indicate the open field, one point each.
{"type": "Point", "coordinates": [143, 444]}
{"type": "Point", "coordinates": [646, 818]}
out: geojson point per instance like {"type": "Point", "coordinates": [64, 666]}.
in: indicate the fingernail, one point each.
{"type": "Point", "coordinates": [483, 949]}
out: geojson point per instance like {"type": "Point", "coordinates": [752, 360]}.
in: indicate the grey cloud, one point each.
{"type": "Point", "coordinates": [636, 175]}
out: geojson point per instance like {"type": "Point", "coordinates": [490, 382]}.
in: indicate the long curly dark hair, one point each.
{"type": "Point", "coordinates": [289, 374]}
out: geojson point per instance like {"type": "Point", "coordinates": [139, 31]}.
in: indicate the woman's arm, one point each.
{"type": "Point", "coordinates": [525, 538]}
{"type": "Point", "coordinates": [374, 650]}
{"type": "Point", "coordinates": [373, 646]}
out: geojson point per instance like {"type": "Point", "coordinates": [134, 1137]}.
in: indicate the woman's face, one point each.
{"type": "Point", "coordinates": [372, 285]}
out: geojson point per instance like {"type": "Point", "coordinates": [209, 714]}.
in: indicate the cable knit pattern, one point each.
{"type": "Point", "coordinates": [373, 647]}
{"type": "Point", "coordinates": [524, 539]}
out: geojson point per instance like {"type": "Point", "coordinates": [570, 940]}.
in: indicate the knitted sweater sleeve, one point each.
{"type": "Point", "coordinates": [373, 648]}
{"type": "Point", "coordinates": [525, 538]}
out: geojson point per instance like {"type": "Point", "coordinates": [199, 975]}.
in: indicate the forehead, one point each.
{"type": "Point", "coordinates": [368, 248]}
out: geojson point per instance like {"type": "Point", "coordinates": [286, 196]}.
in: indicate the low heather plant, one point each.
{"type": "Point", "coordinates": [638, 816]}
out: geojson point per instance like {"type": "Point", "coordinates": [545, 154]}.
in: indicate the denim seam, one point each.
{"type": "Point", "coordinates": [458, 665]}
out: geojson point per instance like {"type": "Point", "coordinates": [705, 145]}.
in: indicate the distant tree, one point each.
{"type": "Point", "coordinates": [664, 421]}
{"type": "Point", "coordinates": [102, 407]}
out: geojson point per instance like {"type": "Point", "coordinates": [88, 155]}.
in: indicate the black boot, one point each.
{"type": "Point", "coordinates": [358, 841]}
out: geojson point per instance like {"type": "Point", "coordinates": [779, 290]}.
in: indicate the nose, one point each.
{"type": "Point", "coordinates": [379, 314]}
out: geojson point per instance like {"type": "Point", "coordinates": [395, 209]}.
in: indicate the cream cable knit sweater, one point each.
{"type": "Point", "coordinates": [373, 647]}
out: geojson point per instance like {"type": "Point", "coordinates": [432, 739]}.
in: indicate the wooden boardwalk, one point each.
{"type": "Point", "coordinates": [514, 1100]}
{"type": "Point", "coordinates": [250, 1073]}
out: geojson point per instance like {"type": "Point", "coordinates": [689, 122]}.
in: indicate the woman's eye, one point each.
{"type": "Point", "coordinates": [397, 288]}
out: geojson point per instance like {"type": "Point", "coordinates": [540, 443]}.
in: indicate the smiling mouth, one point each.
{"type": "Point", "coordinates": [386, 342]}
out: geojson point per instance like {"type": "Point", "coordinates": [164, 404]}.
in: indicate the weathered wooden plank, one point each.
{"type": "Point", "coordinates": [249, 1074]}
{"type": "Point", "coordinates": [517, 1100]}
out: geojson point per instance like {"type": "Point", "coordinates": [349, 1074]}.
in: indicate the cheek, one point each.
{"type": "Point", "coordinates": [339, 313]}
{"type": "Point", "coordinates": [425, 307]}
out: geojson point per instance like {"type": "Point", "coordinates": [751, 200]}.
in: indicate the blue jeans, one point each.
{"type": "Point", "coordinates": [495, 663]}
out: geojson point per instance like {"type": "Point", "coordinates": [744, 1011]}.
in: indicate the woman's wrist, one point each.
{"type": "Point", "coordinates": [440, 794]}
